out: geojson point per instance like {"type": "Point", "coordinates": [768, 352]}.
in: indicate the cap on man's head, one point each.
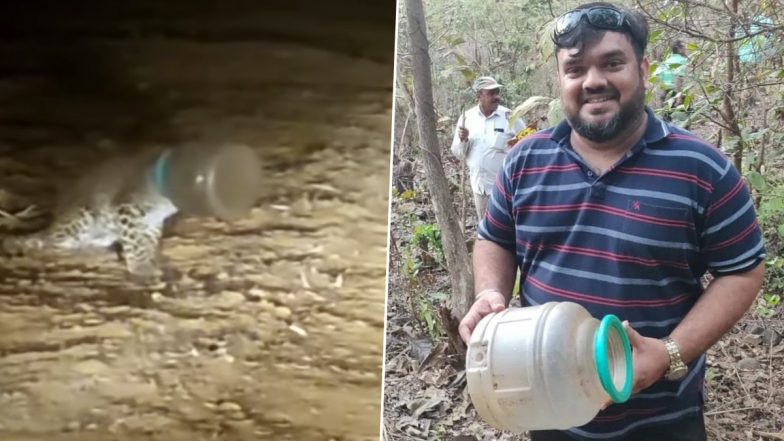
{"type": "Point", "coordinates": [485, 83]}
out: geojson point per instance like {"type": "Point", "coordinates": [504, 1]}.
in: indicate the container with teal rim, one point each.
{"type": "Point", "coordinates": [547, 367]}
{"type": "Point", "coordinates": [223, 181]}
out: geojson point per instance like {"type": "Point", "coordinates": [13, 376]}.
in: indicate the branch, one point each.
{"type": "Point", "coordinates": [712, 106]}
{"type": "Point", "coordinates": [754, 86]}
{"type": "Point", "coordinates": [403, 132]}
{"type": "Point", "coordinates": [771, 435]}
{"type": "Point", "coordinates": [696, 34]}
{"type": "Point", "coordinates": [732, 410]}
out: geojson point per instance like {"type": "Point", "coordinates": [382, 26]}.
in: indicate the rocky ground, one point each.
{"type": "Point", "coordinates": [269, 327]}
{"type": "Point", "coordinates": [425, 387]}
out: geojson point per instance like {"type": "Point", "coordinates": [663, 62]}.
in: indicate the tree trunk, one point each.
{"type": "Point", "coordinates": [456, 253]}
{"type": "Point", "coordinates": [729, 115]}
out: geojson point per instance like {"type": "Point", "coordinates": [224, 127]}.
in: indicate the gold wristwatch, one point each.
{"type": "Point", "coordinates": [678, 368]}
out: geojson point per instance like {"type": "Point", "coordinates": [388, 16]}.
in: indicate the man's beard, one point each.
{"type": "Point", "coordinates": [608, 130]}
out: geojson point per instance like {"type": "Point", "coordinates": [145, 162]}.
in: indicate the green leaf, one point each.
{"type": "Point", "coordinates": [776, 204]}
{"type": "Point", "coordinates": [653, 37]}
{"type": "Point", "coordinates": [772, 299]}
{"type": "Point", "coordinates": [781, 230]}
{"type": "Point", "coordinates": [440, 296]}
{"type": "Point", "coordinates": [454, 40]}
{"type": "Point", "coordinates": [688, 98]}
{"type": "Point", "coordinates": [426, 313]}
{"type": "Point", "coordinates": [545, 41]}
{"type": "Point", "coordinates": [711, 88]}
{"type": "Point", "coordinates": [757, 181]}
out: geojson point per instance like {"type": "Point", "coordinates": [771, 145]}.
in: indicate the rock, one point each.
{"type": "Point", "coordinates": [215, 285]}
{"type": "Point", "coordinates": [93, 321]}
{"type": "Point", "coordinates": [256, 294]}
{"type": "Point", "coordinates": [752, 339]}
{"type": "Point", "coordinates": [230, 299]}
{"type": "Point", "coordinates": [421, 348]}
{"type": "Point", "coordinates": [229, 407]}
{"type": "Point", "coordinates": [297, 330]}
{"type": "Point", "coordinates": [84, 307]}
{"type": "Point", "coordinates": [749, 364]}
{"type": "Point", "coordinates": [302, 207]}
{"type": "Point", "coordinates": [90, 367]}
{"type": "Point", "coordinates": [770, 337]}
{"type": "Point", "coordinates": [282, 313]}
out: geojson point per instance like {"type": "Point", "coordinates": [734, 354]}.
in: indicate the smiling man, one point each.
{"type": "Point", "coordinates": [620, 212]}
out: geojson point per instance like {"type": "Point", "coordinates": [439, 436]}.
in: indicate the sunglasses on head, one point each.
{"type": "Point", "coordinates": [602, 17]}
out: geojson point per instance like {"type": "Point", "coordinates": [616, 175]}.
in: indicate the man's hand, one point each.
{"type": "Point", "coordinates": [462, 133]}
{"type": "Point", "coordinates": [649, 358]}
{"type": "Point", "coordinates": [511, 142]}
{"type": "Point", "coordinates": [485, 303]}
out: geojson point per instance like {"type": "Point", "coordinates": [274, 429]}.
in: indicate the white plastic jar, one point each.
{"type": "Point", "coordinates": [223, 181]}
{"type": "Point", "coordinates": [546, 367]}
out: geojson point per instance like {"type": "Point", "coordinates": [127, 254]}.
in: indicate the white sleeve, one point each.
{"type": "Point", "coordinates": [459, 147]}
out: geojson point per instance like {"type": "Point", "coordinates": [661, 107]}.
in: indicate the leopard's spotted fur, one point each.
{"type": "Point", "coordinates": [116, 204]}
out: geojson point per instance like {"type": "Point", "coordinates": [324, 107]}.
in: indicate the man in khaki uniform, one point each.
{"type": "Point", "coordinates": [484, 138]}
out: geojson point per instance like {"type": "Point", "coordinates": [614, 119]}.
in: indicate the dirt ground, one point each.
{"type": "Point", "coordinates": [425, 395]}
{"type": "Point", "coordinates": [269, 327]}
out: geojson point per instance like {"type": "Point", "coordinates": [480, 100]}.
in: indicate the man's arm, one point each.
{"type": "Point", "coordinates": [722, 304]}
{"type": "Point", "coordinates": [494, 272]}
{"type": "Point", "coordinates": [459, 147]}
{"type": "Point", "coordinates": [731, 242]}
{"type": "Point", "coordinates": [494, 268]}
{"type": "Point", "coordinates": [495, 262]}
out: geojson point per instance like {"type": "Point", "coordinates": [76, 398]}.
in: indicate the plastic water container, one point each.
{"type": "Point", "coordinates": [222, 181]}
{"type": "Point", "coordinates": [547, 367]}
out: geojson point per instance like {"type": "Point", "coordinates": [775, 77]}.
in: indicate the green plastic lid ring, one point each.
{"type": "Point", "coordinates": [601, 355]}
{"type": "Point", "coordinates": [159, 172]}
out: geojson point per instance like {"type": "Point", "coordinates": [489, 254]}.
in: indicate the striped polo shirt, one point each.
{"type": "Point", "coordinates": [633, 242]}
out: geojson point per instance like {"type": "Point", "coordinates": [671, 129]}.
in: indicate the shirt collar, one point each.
{"type": "Point", "coordinates": [655, 131]}
{"type": "Point", "coordinates": [497, 111]}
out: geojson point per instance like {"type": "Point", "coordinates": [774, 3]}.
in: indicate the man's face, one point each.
{"type": "Point", "coordinates": [602, 87]}
{"type": "Point", "coordinates": [489, 99]}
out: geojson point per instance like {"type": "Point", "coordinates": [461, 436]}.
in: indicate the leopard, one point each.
{"type": "Point", "coordinates": [115, 205]}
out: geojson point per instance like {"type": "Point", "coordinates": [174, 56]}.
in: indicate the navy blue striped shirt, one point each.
{"type": "Point", "coordinates": [633, 242]}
